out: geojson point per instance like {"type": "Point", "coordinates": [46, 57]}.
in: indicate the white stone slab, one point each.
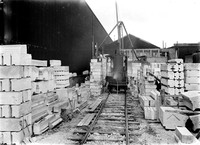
{"type": "Point", "coordinates": [192, 87]}
{"type": "Point", "coordinates": [192, 80]}
{"type": "Point", "coordinates": [192, 66]}
{"type": "Point", "coordinates": [20, 84]}
{"type": "Point", "coordinates": [17, 48]}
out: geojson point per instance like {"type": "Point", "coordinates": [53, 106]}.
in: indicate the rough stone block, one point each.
{"type": "Point", "coordinates": [12, 49]}
{"type": "Point", "coordinates": [184, 135]}
{"type": "Point", "coordinates": [55, 62]}
{"type": "Point", "coordinates": [192, 80]}
{"type": "Point", "coordinates": [4, 85]}
{"type": "Point", "coordinates": [170, 119]}
{"type": "Point", "coordinates": [35, 62]}
{"type": "Point", "coordinates": [20, 84]}
{"type": "Point", "coordinates": [11, 72]}
{"type": "Point", "coordinates": [192, 73]}
{"type": "Point", "coordinates": [196, 121]}
{"type": "Point", "coordinates": [21, 59]}
{"type": "Point", "coordinates": [192, 66]}
{"type": "Point", "coordinates": [21, 110]}
{"type": "Point", "coordinates": [191, 99]}
{"type": "Point", "coordinates": [192, 87]}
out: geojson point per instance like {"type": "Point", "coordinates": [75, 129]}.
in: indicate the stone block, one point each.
{"type": "Point", "coordinates": [184, 135]}
{"type": "Point", "coordinates": [170, 119]}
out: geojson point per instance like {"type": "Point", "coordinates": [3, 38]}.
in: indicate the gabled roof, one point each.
{"type": "Point", "coordinates": [138, 43]}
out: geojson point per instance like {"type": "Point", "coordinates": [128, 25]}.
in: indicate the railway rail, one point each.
{"type": "Point", "coordinates": [114, 121]}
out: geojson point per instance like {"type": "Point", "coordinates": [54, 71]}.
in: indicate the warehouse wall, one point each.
{"type": "Point", "coordinates": [54, 29]}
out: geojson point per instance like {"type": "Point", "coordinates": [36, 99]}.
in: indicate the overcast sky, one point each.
{"type": "Point", "coordinates": [155, 21]}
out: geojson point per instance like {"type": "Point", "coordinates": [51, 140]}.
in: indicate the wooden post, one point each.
{"type": "Point", "coordinates": [162, 95]}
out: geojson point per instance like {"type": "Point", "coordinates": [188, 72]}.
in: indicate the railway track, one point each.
{"type": "Point", "coordinates": [114, 122]}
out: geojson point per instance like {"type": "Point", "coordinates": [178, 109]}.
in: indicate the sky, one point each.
{"type": "Point", "coordinates": [156, 21]}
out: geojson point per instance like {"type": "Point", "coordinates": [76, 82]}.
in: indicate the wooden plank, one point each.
{"type": "Point", "coordinates": [94, 105]}
{"type": "Point", "coordinates": [20, 84]}
{"type": "Point", "coordinates": [184, 135]}
{"type": "Point", "coordinates": [86, 120]}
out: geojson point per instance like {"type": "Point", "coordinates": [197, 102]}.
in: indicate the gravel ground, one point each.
{"type": "Point", "coordinates": [149, 133]}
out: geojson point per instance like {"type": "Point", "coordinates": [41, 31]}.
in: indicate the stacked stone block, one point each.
{"type": "Point", "coordinates": [15, 94]}
{"type": "Point", "coordinates": [61, 73]}
{"type": "Point", "coordinates": [172, 77]}
{"type": "Point", "coordinates": [96, 77]}
{"type": "Point", "coordinates": [192, 76]}
{"type": "Point", "coordinates": [45, 101]}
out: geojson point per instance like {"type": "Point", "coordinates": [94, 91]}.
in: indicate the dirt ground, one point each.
{"type": "Point", "coordinates": [149, 133]}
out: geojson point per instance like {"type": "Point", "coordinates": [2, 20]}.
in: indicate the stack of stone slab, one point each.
{"type": "Point", "coordinates": [172, 77]}
{"type": "Point", "coordinates": [46, 100]}
{"type": "Point", "coordinates": [42, 78]}
{"type": "Point", "coordinates": [156, 69]}
{"type": "Point", "coordinates": [44, 97]}
{"type": "Point", "coordinates": [149, 85]}
{"type": "Point", "coordinates": [148, 103]}
{"type": "Point", "coordinates": [96, 77]}
{"type": "Point", "coordinates": [133, 69]}
{"type": "Point", "coordinates": [133, 77]}
{"type": "Point", "coordinates": [15, 94]}
{"type": "Point", "coordinates": [61, 73]}
{"type": "Point", "coordinates": [192, 76]}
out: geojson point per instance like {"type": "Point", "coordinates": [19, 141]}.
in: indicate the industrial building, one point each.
{"type": "Point", "coordinates": [63, 80]}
